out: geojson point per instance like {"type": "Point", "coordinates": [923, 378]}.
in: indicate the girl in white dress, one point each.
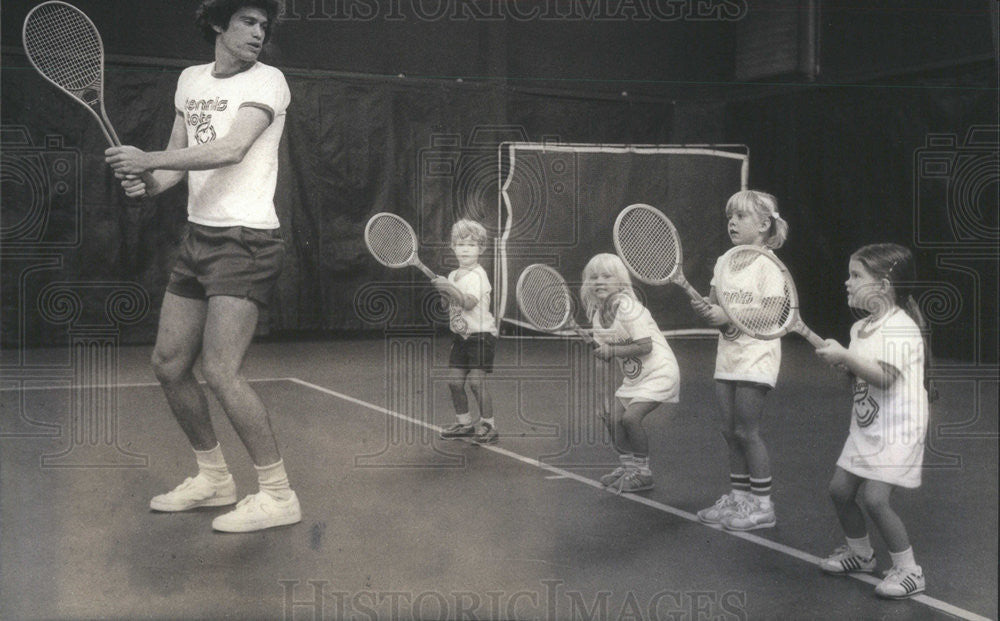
{"type": "Point", "coordinates": [746, 369]}
{"type": "Point", "coordinates": [625, 330]}
{"type": "Point", "coordinates": [885, 447]}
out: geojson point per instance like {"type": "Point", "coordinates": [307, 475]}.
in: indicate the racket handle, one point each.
{"type": "Point", "coordinates": [691, 291]}
{"type": "Point", "coordinates": [811, 336]}
{"type": "Point", "coordinates": [583, 334]}
{"type": "Point", "coordinates": [423, 268]}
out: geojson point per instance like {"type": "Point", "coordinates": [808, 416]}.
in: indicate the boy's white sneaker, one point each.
{"type": "Point", "coordinates": [257, 512]}
{"type": "Point", "coordinates": [196, 491]}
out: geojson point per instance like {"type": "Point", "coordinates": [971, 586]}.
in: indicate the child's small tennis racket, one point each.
{"type": "Point", "coordinates": [393, 243]}
{"type": "Point", "coordinates": [545, 300]}
{"type": "Point", "coordinates": [66, 49]}
{"type": "Point", "coordinates": [648, 244]}
{"type": "Point", "coordinates": [757, 292]}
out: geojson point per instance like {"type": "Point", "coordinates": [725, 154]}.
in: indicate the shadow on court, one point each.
{"type": "Point", "coordinates": [400, 524]}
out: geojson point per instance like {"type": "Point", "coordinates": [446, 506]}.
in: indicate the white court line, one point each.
{"type": "Point", "coordinates": [69, 385]}
{"type": "Point", "coordinates": [559, 473]}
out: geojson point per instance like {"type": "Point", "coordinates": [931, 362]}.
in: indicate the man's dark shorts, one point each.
{"type": "Point", "coordinates": [235, 261]}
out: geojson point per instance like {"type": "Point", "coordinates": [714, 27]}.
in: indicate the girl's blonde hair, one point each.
{"type": "Point", "coordinates": [764, 206]}
{"type": "Point", "coordinates": [466, 228]}
{"type": "Point", "coordinates": [604, 262]}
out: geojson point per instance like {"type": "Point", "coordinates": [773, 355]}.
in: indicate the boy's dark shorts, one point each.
{"type": "Point", "coordinates": [237, 261]}
{"type": "Point", "coordinates": [475, 352]}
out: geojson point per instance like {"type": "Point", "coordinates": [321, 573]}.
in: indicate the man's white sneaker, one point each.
{"type": "Point", "coordinates": [257, 512]}
{"type": "Point", "coordinates": [196, 491]}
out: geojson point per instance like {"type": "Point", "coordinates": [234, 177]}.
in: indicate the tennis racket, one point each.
{"type": "Point", "coordinates": [393, 243]}
{"type": "Point", "coordinates": [757, 292]}
{"type": "Point", "coordinates": [650, 247]}
{"type": "Point", "coordinates": [63, 45]}
{"type": "Point", "coordinates": [545, 300]}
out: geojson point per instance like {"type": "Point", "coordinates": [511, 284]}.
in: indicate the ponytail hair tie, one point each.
{"type": "Point", "coordinates": [776, 215]}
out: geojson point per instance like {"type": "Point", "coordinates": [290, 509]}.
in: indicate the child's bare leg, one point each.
{"type": "Point", "coordinates": [631, 422]}
{"type": "Point", "coordinates": [726, 394]}
{"type": "Point", "coordinates": [456, 383]}
{"type": "Point", "coordinates": [748, 411]}
{"type": "Point", "coordinates": [619, 435]}
{"type": "Point", "coordinates": [843, 492]}
{"type": "Point", "coordinates": [476, 380]}
{"type": "Point", "coordinates": [875, 499]}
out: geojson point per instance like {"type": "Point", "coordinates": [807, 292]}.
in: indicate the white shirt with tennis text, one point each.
{"type": "Point", "coordinates": [240, 194]}
{"type": "Point", "coordinates": [740, 357]}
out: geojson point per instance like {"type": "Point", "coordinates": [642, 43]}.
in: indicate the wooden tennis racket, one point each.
{"type": "Point", "coordinates": [393, 243]}
{"type": "Point", "coordinates": [757, 292]}
{"type": "Point", "coordinates": [546, 302]}
{"type": "Point", "coordinates": [648, 244]}
{"type": "Point", "coordinates": [63, 45]}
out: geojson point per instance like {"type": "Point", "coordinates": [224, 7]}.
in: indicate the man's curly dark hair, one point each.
{"type": "Point", "coordinates": [219, 12]}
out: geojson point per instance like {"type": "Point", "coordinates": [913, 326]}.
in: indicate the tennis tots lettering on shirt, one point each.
{"type": "Point", "coordinates": [739, 296]}
{"type": "Point", "coordinates": [197, 114]}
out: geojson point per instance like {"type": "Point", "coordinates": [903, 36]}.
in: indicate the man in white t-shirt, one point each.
{"type": "Point", "coordinates": [230, 115]}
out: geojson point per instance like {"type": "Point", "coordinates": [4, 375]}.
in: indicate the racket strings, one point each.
{"type": "Point", "coordinates": [544, 299]}
{"type": "Point", "coordinates": [648, 244]}
{"type": "Point", "coordinates": [752, 312]}
{"type": "Point", "coordinates": [391, 241]}
{"type": "Point", "coordinates": [64, 46]}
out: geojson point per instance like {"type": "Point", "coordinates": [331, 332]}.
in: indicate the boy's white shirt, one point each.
{"type": "Point", "coordinates": [473, 282]}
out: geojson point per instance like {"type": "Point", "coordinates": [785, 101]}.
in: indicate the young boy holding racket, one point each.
{"type": "Point", "coordinates": [229, 118]}
{"type": "Point", "coordinates": [474, 335]}
{"type": "Point", "coordinates": [887, 359]}
{"type": "Point", "coordinates": [746, 369]}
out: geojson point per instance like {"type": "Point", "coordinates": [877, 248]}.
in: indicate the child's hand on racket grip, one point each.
{"type": "Point", "coordinates": [126, 159]}
{"type": "Point", "coordinates": [604, 351]}
{"type": "Point", "coordinates": [833, 353]}
{"type": "Point", "coordinates": [444, 286]}
{"type": "Point", "coordinates": [711, 313]}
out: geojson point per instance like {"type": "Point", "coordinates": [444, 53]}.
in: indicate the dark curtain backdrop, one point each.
{"type": "Point", "coordinates": [352, 147]}
{"type": "Point", "coordinates": [849, 165]}
{"type": "Point", "coordinates": [845, 162]}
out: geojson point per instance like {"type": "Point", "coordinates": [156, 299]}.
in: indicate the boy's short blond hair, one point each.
{"type": "Point", "coordinates": [466, 228]}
